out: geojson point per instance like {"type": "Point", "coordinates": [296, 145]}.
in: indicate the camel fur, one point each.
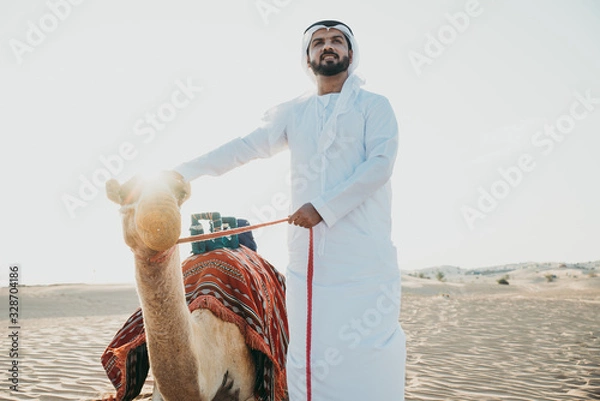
{"type": "Point", "coordinates": [193, 356]}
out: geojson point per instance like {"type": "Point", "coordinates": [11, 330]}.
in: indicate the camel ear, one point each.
{"type": "Point", "coordinates": [184, 192]}
{"type": "Point", "coordinates": [180, 187]}
{"type": "Point", "coordinates": [113, 191]}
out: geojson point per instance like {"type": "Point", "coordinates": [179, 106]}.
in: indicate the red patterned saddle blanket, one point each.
{"type": "Point", "coordinates": [238, 286]}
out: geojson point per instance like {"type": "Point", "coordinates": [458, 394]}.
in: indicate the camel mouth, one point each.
{"type": "Point", "coordinates": [158, 221]}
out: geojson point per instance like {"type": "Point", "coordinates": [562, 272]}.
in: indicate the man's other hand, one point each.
{"type": "Point", "coordinates": [307, 216]}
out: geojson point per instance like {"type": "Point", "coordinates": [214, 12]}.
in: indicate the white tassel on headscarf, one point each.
{"type": "Point", "coordinates": [344, 103]}
{"type": "Point", "coordinates": [351, 86]}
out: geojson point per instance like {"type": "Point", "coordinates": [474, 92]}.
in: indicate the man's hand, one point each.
{"type": "Point", "coordinates": [307, 216]}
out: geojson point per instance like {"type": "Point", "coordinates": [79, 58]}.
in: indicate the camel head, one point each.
{"type": "Point", "coordinates": [151, 211]}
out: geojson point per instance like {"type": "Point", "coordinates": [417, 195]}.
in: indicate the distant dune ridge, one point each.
{"type": "Point", "coordinates": [526, 270]}
{"type": "Point", "coordinates": [469, 338]}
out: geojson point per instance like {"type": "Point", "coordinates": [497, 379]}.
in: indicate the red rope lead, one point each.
{"type": "Point", "coordinates": [226, 233]}
{"type": "Point", "coordinates": [309, 285]}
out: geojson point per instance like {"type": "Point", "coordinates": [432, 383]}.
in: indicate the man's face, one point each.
{"type": "Point", "coordinates": [328, 52]}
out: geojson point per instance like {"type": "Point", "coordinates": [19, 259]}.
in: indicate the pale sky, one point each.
{"type": "Point", "coordinates": [479, 180]}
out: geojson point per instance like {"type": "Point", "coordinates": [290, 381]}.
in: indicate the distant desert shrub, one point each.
{"type": "Point", "coordinates": [422, 275]}
{"type": "Point", "coordinates": [503, 281]}
{"type": "Point", "coordinates": [550, 277]}
{"type": "Point", "coordinates": [440, 276]}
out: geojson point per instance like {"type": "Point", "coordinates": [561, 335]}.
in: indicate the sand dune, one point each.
{"type": "Point", "coordinates": [64, 330]}
{"type": "Point", "coordinates": [509, 346]}
{"type": "Point", "coordinates": [531, 340]}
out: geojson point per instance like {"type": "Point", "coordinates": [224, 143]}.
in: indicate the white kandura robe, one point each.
{"type": "Point", "coordinates": [343, 147]}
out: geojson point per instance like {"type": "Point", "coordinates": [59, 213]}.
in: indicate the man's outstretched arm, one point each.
{"type": "Point", "coordinates": [263, 142]}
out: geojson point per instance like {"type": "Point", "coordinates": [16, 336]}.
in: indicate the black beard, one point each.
{"type": "Point", "coordinates": [330, 69]}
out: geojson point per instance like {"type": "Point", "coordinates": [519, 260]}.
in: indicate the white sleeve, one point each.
{"type": "Point", "coordinates": [263, 142]}
{"type": "Point", "coordinates": [381, 144]}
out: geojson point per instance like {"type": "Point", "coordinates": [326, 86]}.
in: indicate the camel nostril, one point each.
{"type": "Point", "coordinates": [158, 222]}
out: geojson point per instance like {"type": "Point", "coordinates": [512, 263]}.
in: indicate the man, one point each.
{"type": "Point", "coordinates": [343, 142]}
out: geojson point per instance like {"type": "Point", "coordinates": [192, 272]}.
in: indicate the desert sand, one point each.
{"type": "Point", "coordinates": [469, 338]}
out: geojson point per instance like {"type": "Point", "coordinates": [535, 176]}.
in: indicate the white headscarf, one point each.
{"type": "Point", "coordinates": [329, 24]}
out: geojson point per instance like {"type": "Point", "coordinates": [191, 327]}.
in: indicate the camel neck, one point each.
{"type": "Point", "coordinates": [166, 320]}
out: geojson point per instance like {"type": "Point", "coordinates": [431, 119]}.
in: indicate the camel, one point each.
{"type": "Point", "coordinates": [193, 356]}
